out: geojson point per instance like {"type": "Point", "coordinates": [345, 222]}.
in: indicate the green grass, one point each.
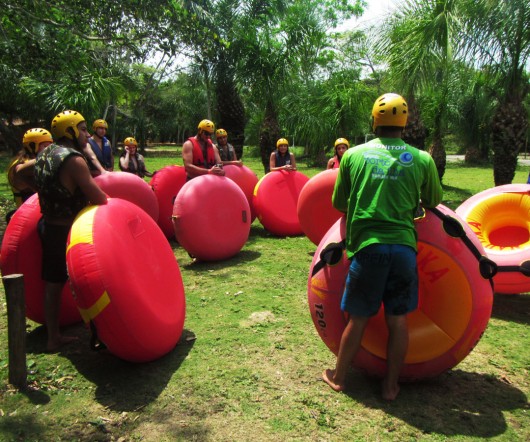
{"type": "Point", "coordinates": [248, 365]}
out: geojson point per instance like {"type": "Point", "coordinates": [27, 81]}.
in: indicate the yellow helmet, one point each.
{"type": "Point", "coordinates": [282, 141]}
{"type": "Point", "coordinates": [99, 123]}
{"type": "Point", "coordinates": [390, 110]}
{"type": "Point", "coordinates": [342, 141]}
{"type": "Point", "coordinates": [63, 121]}
{"type": "Point", "coordinates": [33, 137]}
{"type": "Point", "coordinates": [206, 126]}
{"type": "Point", "coordinates": [130, 141]}
{"type": "Point", "coordinates": [221, 133]}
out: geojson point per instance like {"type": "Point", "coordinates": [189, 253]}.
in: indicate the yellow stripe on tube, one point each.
{"type": "Point", "coordinates": [95, 309]}
{"type": "Point", "coordinates": [81, 232]}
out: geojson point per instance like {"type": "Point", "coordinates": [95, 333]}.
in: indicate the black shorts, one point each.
{"type": "Point", "coordinates": [53, 239]}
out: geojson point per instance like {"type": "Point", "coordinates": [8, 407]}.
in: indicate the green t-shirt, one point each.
{"type": "Point", "coordinates": [379, 186]}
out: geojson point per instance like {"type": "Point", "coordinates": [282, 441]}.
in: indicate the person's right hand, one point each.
{"type": "Point", "coordinates": [216, 170]}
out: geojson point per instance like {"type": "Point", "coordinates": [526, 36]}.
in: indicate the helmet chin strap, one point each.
{"type": "Point", "coordinates": [75, 140]}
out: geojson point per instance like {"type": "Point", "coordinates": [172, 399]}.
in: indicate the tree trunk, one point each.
{"type": "Point", "coordinates": [231, 113]}
{"type": "Point", "coordinates": [269, 134]}
{"type": "Point", "coordinates": [473, 155]}
{"type": "Point", "coordinates": [415, 133]}
{"type": "Point", "coordinates": [437, 151]}
{"type": "Point", "coordinates": [508, 130]}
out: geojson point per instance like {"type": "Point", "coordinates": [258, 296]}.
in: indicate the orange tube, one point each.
{"type": "Point", "coordinates": [454, 301]}
{"type": "Point", "coordinates": [500, 217]}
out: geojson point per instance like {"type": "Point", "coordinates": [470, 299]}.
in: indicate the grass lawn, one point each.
{"type": "Point", "coordinates": [248, 365]}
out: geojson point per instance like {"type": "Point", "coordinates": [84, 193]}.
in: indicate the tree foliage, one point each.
{"type": "Point", "coordinates": [271, 68]}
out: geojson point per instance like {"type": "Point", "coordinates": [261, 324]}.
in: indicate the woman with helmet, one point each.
{"type": "Point", "coordinates": [199, 155]}
{"type": "Point", "coordinates": [65, 186]}
{"type": "Point", "coordinates": [226, 150]}
{"type": "Point", "coordinates": [341, 146]}
{"type": "Point", "coordinates": [282, 158]}
{"type": "Point", "coordinates": [20, 171]}
{"type": "Point", "coordinates": [100, 144]}
{"type": "Point", "coordinates": [131, 161]}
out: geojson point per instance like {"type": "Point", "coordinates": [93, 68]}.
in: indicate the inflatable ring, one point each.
{"type": "Point", "coordinates": [246, 180]}
{"type": "Point", "coordinates": [22, 253]}
{"type": "Point", "coordinates": [275, 200]}
{"type": "Point", "coordinates": [211, 217]}
{"type": "Point", "coordinates": [126, 280]}
{"type": "Point", "coordinates": [130, 187]}
{"type": "Point", "coordinates": [500, 217]}
{"type": "Point", "coordinates": [166, 184]}
{"type": "Point", "coordinates": [315, 209]}
{"type": "Point", "coordinates": [455, 300]}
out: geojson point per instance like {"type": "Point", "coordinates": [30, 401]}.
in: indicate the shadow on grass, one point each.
{"type": "Point", "coordinates": [14, 428]}
{"type": "Point", "coordinates": [243, 257]}
{"type": "Point", "coordinates": [456, 403]}
{"type": "Point", "coordinates": [454, 196]}
{"type": "Point", "coordinates": [513, 308]}
{"type": "Point", "coordinates": [120, 385]}
{"type": "Point", "coordinates": [258, 231]}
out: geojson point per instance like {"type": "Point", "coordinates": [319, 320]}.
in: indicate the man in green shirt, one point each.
{"type": "Point", "coordinates": [379, 187]}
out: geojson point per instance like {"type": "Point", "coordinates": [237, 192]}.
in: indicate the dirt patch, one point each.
{"type": "Point", "coordinates": [257, 318]}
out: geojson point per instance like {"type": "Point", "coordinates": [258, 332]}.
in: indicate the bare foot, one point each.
{"type": "Point", "coordinates": [55, 344]}
{"type": "Point", "coordinates": [389, 393]}
{"type": "Point", "coordinates": [328, 377]}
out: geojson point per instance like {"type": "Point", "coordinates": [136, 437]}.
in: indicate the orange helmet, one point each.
{"type": "Point", "coordinates": [130, 141]}
{"type": "Point", "coordinates": [63, 121]}
{"type": "Point", "coordinates": [33, 137]}
{"type": "Point", "coordinates": [99, 123]}
{"type": "Point", "coordinates": [390, 110]}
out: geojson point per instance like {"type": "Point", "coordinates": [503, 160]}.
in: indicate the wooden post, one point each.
{"type": "Point", "coordinates": [16, 329]}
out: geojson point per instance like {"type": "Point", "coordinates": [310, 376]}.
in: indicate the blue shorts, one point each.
{"type": "Point", "coordinates": [384, 273]}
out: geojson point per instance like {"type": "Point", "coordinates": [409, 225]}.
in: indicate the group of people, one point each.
{"type": "Point", "coordinates": [130, 160]}
{"type": "Point", "coordinates": [60, 165]}
{"type": "Point", "coordinates": [97, 151]}
{"type": "Point", "coordinates": [379, 187]}
{"type": "Point", "coordinates": [202, 157]}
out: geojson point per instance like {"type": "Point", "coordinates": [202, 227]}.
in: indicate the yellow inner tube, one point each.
{"type": "Point", "coordinates": [502, 221]}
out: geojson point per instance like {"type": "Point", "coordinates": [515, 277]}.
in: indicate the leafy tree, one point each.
{"type": "Point", "coordinates": [59, 54]}
{"type": "Point", "coordinates": [499, 40]}
{"type": "Point", "coordinates": [336, 107]}
{"type": "Point", "coordinates": [278, 41]}
{"type": "Point", "coordinates": [471, 113]}
{"type": "Point", "coordinates": [420, 44]}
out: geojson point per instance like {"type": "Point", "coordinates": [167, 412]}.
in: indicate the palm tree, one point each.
{"type": "Point", "coordinates": [229, 104]}
{"type": "Point", "coordinates": [498, 37]}
{"type": "Point", "coordinates": [420, 45]}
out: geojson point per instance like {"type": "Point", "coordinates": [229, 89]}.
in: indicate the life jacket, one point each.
{"type": "Point", "coordinates": [55, 199]}
{"type": "Point", "coordinates": [19, 195]}
{"type": "Point", "coordinates": [229, 155]}
{"type": "Point", "coordinates": [138, 168]}
{"type": "Point", "coordinates": [282, 160]}
{"type": "Point", "coordinates": [198, 157]}
{"type": "Point", "coordinates": [103, 155]}
{"type": "Point", "coordinates": [336, 163]}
